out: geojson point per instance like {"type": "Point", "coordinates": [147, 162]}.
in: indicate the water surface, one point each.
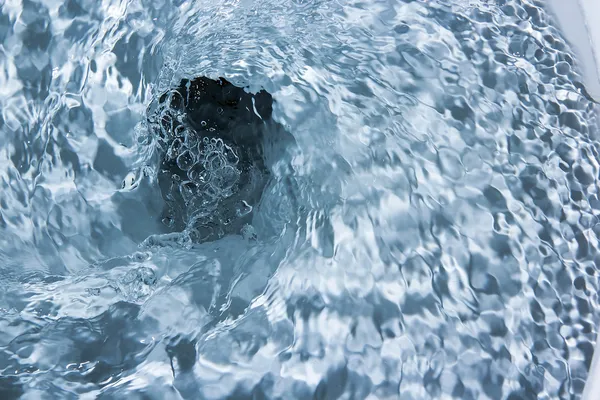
{"type": "Point", "coordinates": [433, 233]}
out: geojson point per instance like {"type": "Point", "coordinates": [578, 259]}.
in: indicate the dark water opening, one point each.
{"type": "Point", "coordinates": [213, 138]}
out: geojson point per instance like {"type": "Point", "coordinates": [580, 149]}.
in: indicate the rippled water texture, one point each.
{"type": "Point", "coordinates": [432, 233]}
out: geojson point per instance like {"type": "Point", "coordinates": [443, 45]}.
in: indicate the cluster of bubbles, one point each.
{"type": "Point", "coordinates": [207, 168]}
{"type": "Point", "coordinates": [136, 284]}
{"type": "Point", "coordinates": [211, 170]}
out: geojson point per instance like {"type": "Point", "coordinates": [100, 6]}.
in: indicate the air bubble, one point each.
{"type": "Point", "coordinates": [231, 157]}
{"type": "Point", "coordinates": [212, 192]}
{"type": "Point", "coordinates": [188, 191]}
{"type": "Point", "coordinates": [191, 139]}
{"type": "Point", "coordinates": [173, 95]}
{"type": "Point", "coordinates": [195, 172]}
{"type": "Point", "coordinates": [179, 131]}
{"type": "Point", "coordinates": [175, 148]}
{"type": "Point", "coordinates": [226, 177]}
{"type": "Point", "coordinates": [214, 161]}
{"type": "Point", "coordinates": [186, 160]}
{"type": "Point", "coordinates": [167, 121]}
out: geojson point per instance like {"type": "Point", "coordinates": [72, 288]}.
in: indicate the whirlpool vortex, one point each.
{"type": "Point", "coordinates": [419, 218]}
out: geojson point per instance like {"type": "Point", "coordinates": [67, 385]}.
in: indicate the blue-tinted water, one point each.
{"type": "Point", "coordinates": [432, 233]}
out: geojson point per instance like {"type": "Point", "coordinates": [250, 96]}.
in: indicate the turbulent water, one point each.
{"type": "Point", "coordinates": [432, 233]}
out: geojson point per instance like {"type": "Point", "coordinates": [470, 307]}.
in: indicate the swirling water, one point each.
{"type": "Point", "coordinates": [433, 233]}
